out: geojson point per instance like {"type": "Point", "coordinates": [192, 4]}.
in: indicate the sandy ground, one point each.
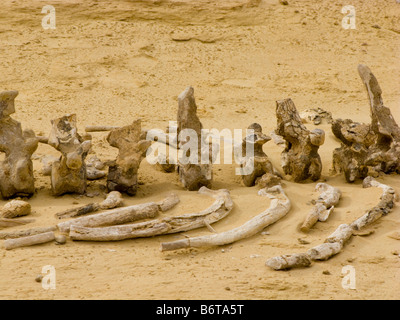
{"type": "Point", "coordinates": [111, 62]}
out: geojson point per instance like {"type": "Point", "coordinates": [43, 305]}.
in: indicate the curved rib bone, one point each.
{"type": "Point", "coordinates": [217, 211]}
{"type": "Point", "coordinates": [336, 241]}
{"type": "Point", "coordinates": [279, 207]}
{"type": "Point", "coordinates": [119, 215]}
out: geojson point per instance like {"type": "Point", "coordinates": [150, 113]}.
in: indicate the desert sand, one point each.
{"type": "Point", "coordinates": [111, 62]}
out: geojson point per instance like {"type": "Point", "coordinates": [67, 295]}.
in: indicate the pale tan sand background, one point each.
{"type": "Point", "coordinates": [111, 62]}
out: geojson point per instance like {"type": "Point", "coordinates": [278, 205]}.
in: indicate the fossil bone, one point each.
{"type": "Point", "coordinates": [68, 174]}
{"type": "Point", "coordinates": [121, 215]}
{"type": "Point", "coordinates": [262, 170]}
{"type": "Point", "coordinates": [113, 200]}
{"type": "Point", "coordinates": [123, 172]}
{"type": "Point", "coordinates": [197, 174]}
{"type": "Point", "coordinates": [368, 149]}
{"type": "Point", "coordinates": [336, 241]}
{"type": "Point", "coordinates": [279, 207]}
{"type": "Point", "coordinates": [16, 170]}
{"type": "Point", "coordinates": [300, 158]}
{"type": "Point", "coordinates": [29, 240]}
{"type": "Point", "coordinates": [167, 225]}
{"type": "Point", "coordinates": [326, 202]}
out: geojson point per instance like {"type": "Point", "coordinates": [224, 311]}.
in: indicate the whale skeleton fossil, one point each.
{"type": "Point", "coordinates": [121, 215]}
{"type": "Point", "coordinates": [336, 241]}
{"type": "Point", "coordinates": [218, 210]}
{"type": "Point", "coordinates": [279, 207]}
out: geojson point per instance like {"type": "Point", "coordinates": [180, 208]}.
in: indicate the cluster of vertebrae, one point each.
{"type": "Point", "coordinates": [366, 151]}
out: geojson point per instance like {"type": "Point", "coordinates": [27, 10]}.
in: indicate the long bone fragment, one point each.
{"type": "Point", "coordinates": [29, 240]}
{"type": "Point", "coordinates": [324, 206]}
{"type": "Point", "coordinates": [121, 215]}
{"type": "Point", "coordinates": [26, 233]}
{"type": "Point", "coordinates": [279, 207]}
{"type": "Point", "coordinates": [218, 210]}
{"type": "Point", "coordinates": [5, 223]}
{"type": "Point", "coordinates": [336, 241]}
{"type": "Point", "coordinates": [113, 200]}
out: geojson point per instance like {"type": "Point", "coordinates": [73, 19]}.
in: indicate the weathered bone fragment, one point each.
{"type": "Point", "coordinates": [324, 206]}
{"type": "Point", "coordinates": [68, 174]}
{"type": "Point", "coordinates": [29, 240]}
{"type": "Point", "coordinates": [26, 233]}
{"type": "Point", "coordinates": [368, 149]}
{"type": "Point", "coordinates": [16, 170]}
{"type": "Point", "coordinates": [167, 225]}
{"type": "Point", "coordinates": [100, 128]}
{"type": "Point", "coordinates": [5, 223]}
{"type": "Point", "coordinates": [279, 207]}
{"type": "Point", "coordinates": [316, 115]}
{"type": "Point", "coordinates": [113, 200]}
{"type": "Point", "coordinates": [262, 172]}
{"type": "Point", "coordinates": [123, 172]}
{"type": "Point", "coordinates": [395, 235]}
{"type": "Point", "coordinates": [47, 162]}
{"type": "Point", "coordinates": [193, 174]}
{"type": "Point", "coordinates": [336, 241]}
{"type": "Point", "coordinates": [300, 158]}
{"type": "Point", "coordinates": [95, 162]}
{"type": "Point", "coordinates": [288, 261]}
{"type": "Point", "coordinates": [384, 206]}
{"type": "Point", "coordinates": [120, 215]}
{"type": "Point", "coordinates": [15, 208]}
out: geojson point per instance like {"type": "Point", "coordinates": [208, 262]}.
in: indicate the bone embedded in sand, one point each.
{"type": "Point", "coordinates": [326, 202]}
{"type": "Point", "coordinates": [261, 169]}
{"type": "Point", "coordinates": [289, 261]}
{"type": "Point", "coordinates": [68, 174]}
{"type": "Point", "coordinates": [26, 233]}
{"type": "Point", "coordinates": [115, 216]}
{"type": "Point", "coordinates": [114, 199]}
{"type": "Point", "coordinates": [100, 128]}
{"type": "Point", "coordinates": [300, 158]}
{"type": "Point", "coordinates": [384, 206]}
{"type": "Point", "coordinates": [167, 225]}
{"type": "Point", "coordinates": [368, 149]}
{"type": "Point", "coordinates": [123, 172]}
{"type": "Point", "coordinates": [279, 207]}
{"type": "Point", "coordinates": [193, 174]}
{"type": "Point", "coordinates": [336, 241]}
{"type": "Point", "coordinates": [5, 223]}
{"type": "Point", "coordinates": [16, 170]}
{"type": "Point", "coordinates": [29, 240]}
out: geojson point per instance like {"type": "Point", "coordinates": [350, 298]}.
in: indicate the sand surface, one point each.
{"type": "Point", "coordinates": [111, 62]}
